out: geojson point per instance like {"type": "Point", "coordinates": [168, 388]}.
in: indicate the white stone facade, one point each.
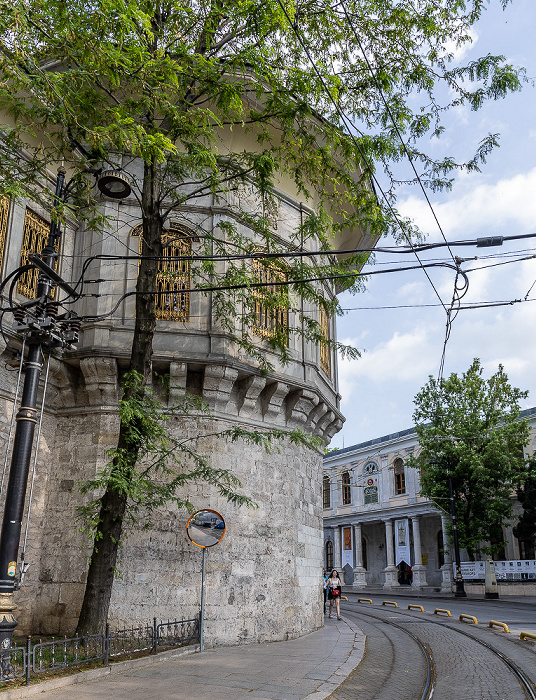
{"type": "Point", "coordinates": [366, 501]}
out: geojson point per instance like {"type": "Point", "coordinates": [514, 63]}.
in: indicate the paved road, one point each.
{"type": "Point", "coordinates": [464, 668]}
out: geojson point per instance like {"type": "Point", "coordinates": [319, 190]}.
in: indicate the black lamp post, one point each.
{"type": "Point", "coordinates": [460, 590]}
{"type": "Point", "coordinates": [44, 328]}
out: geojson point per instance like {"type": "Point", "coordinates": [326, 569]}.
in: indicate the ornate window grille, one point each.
{"type": "Point", "coordinates": [173, 278]}
{"type": "Point", "coordinates": [34, 238]}
{"type": "Point", "coordinates": [325, 350]}
{"type": "Point", "coordinates": [326, 496]}
{"type": "Point", "coordinates": [346, 489]}
{"type": "Point", "coordinates": [268, 322]}
{"type": "Point", "coordinates": [4, 214]}
{"type": "Point", "coordinates": [400, 477]}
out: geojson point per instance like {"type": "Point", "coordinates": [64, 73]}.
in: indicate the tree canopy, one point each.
{"type": "Point", "coordinates": [469, 429]}
{"type": "Point", "coordinates": [234, 101]}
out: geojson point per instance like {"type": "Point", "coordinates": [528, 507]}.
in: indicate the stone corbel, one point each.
{"type": "Point", "coordinates": [272, 398]}
{"type": "Point", "coordinates": [300, 403]}
{"type": "Point", "coordinates": [250, 391]}
{"type": "Point", "coordinates": [323, 422]}
{"type": "Point", "coordinates": [177, 382]}
{"type": "Point", "coordinates": [100, 376]}
{"type": "Point", "coordinates": [333, 428]}
{"type": "Point", "coordinates": [217, 385]}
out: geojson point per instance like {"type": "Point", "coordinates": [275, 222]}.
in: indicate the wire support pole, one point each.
{"type": "Point", "coordinates": [26, 420]}
{"type": "Point", "coordinates": [460, 590]}
{"type": "Point", "coordinates": [12, 423]}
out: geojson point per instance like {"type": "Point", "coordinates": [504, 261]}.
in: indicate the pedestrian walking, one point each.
{"type": "Point", "coordinates": [325, 584]}
{"type": "Point", "coordinates": [334, 593]}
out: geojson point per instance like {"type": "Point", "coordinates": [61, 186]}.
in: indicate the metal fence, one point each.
{"type": "Point", "coordinates": [20, 662]}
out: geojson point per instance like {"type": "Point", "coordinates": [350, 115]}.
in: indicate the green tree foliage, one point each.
{"type": "Point", "coordinates": [469, 428]}
{"type": "Point", "coordinates": [525, 529]}
{"type": "Point", "coordinates": [229, 100]}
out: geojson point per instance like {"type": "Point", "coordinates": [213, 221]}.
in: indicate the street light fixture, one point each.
{"type": "Point", "coordinates": [114, 184]}
{"type": "Point", "coordinates": [460, 590]}
{"type": "Point", "coordinates": [44, 330]}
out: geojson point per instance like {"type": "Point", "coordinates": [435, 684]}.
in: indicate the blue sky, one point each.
{"type": "Point", "coordinates": [403, 346]}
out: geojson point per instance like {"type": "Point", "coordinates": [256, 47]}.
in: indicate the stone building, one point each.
{"type": "Point", "coordinates": [263, 578]}
{"type": "Point", "coordinates": [377, 523]}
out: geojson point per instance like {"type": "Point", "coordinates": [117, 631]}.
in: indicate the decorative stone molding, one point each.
{"type": "Point", "coordinates": [62, 383]}
{"type": "Point", "coordinates": [299, 404]}
{"type": "Point", "coordinates": [217, 385]}
{"type": "Point", "coordinates": [271, 398]}
{"type": "Point", "coordinates": [100, 376]}
{"type": "Point", "coordinates": [326, 419]}
{"type": "Point", "coordinates": [177, 382]}
{"type": "Point", "coordinates": [249, 391]}
{"type": "Point", "coordinates": [332, 428]}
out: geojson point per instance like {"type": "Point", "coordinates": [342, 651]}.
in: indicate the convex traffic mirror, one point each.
{"type": "Point", "coordinates": [205, 528]}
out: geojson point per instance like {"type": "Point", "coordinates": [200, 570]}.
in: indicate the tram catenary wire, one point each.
{"type": "Point", "coordinates": [527, 684]}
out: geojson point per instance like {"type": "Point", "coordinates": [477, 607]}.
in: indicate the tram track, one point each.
{"type": "Point", "coordinates": [429, 686]}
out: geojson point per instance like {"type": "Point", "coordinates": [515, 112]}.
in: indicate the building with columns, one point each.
{"type": "Point", "coordinates": [377, 523]}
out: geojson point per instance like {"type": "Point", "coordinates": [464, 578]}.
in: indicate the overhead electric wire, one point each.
{"type": "Point", "coordinates": [345, 122]}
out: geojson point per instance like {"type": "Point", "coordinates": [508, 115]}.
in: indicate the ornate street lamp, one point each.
{"type": "Point", "coordinates": [114, 184]}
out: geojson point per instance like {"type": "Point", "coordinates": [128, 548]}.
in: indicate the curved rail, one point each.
{"type": "Point", "coordinates": [428, 687]}
{"type": "Point", "coordinates": [525, 681]}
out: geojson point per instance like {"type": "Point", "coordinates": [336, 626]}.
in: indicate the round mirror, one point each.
{"type": "Point", "coordinates": [205, 528]}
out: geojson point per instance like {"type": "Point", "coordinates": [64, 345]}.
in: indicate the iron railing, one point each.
{"type": "Point", "coordinates": [57, 654]}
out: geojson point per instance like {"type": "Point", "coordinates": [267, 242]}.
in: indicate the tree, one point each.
{"type": "Point", "coordinates": [469, 429]}
{"type": "Point", "coordinates": [161, 88]}
{"type": "Point", "coordinates": [525, 529]}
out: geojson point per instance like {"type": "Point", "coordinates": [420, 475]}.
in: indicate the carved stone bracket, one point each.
{"type": "Point", "coordinates": [299, 405]}
{"type": "Point", "coordinates": [217, 386]}
{"type": "Point", "coordinates": [323, 422]}
{"type": "Point", "coordinates": [100, 376]}
{"type": "Point", "coordinates": [272, 398]}
{"type": "Point", "coordinates": [332, 428]}
{"type": "Point", "coordinates": [249, 393]}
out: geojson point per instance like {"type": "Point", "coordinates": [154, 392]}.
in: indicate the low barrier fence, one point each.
{"type": "Point", "coordinates": [57, 654]}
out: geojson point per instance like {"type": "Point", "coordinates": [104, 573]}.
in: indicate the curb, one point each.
{"type": "Point", "coordinates": [84, 676]}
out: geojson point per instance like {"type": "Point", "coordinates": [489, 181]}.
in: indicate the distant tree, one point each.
{"type": "Point", "coordinates": [525, 530]}
{"type": "Point", "coordinates": [469, 428]}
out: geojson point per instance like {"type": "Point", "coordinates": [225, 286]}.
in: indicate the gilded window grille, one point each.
{"type": "Point", "coordinates": [172, 303]}
{"type": "Point", "coordinates": [4, 214]}
{"type": "Point", "coordinates": [268, 322]}
{"type": "Point", "coordinates": [34, 239]}
{"type": "Point", "coordinates": [325, 349]}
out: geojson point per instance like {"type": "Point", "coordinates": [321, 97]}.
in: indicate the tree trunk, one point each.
{"type": "Point", "coordinates": [96, 603]}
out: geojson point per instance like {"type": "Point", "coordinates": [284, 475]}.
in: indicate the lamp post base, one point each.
{"type": "Point", "coordinates": [7, 620]}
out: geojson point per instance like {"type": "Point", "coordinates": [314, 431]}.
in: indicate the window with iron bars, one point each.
{"type": "Point", "coordinates": [34, 238]}
{"type": "Point", "coordinates": [325, 350]}
{"type": "Point", "coordinates": [173, 279]}
{"type": "Point", "coordinates": [4, 214]}
{"type": "Point", "coordinates": [268, 322]}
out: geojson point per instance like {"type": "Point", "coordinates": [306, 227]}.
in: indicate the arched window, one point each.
{"type": "Point", "coordinates": [329, 556]}
{"type": "Point", "coordinates": [325, 350]}
{"type": "Point", "coordinates": [346, 489]}
{"type": "Point", "coordinates": [4, 213]}
{"type": "Point", "coordinates": [326, 496]}
{"type": "Point", "coordinates": [34, 238]}
{"type": "Point", "coordinates": [400, 477]}
{"type": "Point", "coordinates": [172, 302]}
{"type": "Point", "coordinates": [269, 320]}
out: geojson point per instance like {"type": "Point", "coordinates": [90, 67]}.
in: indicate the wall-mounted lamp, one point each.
{"type": "Point", "coordinates": [114, 184]}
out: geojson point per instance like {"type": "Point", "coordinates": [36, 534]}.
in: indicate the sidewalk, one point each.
{"type": "Point", "coordinates": [308, 668]}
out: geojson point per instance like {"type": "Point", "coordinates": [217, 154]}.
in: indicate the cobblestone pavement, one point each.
{"type": "Point", "coordinates": [393, 666]}
{"type": "Point", "coordinates": [464, 668]}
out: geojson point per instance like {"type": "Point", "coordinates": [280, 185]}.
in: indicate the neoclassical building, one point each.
{"type": "Point", "coordinates": [377, 523]}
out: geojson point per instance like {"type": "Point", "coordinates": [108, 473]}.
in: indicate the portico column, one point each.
{"type": "Point", "coordinates": [337, 553]}
{"type": "Point", "coordinates": [419, 569]}
{"type": "Point", "coordinates": [390, 571]}
{"type": "Point", "coordinates": [446, 569]}
{"type": "Point", "coordinates": [359, 569]}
